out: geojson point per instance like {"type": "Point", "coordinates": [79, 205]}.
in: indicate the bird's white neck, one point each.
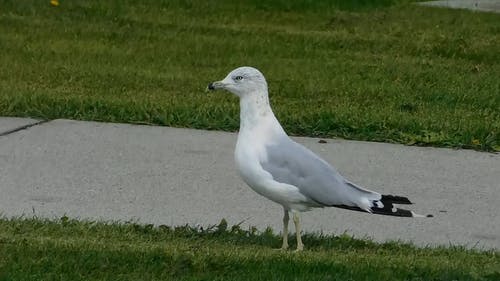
{"type": "Point", "coordinates": [254, 108]}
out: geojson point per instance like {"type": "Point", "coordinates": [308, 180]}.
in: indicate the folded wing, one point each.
{"type": "Point", "coordinates": [291, 163]}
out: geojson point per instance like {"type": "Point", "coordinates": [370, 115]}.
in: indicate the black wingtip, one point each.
{"type": "Point", "coordinates": [395, 199]}
{"type": "Point", "coordinates": [391, 211]}
{"type": "Point", "coordinates": [388, 210]}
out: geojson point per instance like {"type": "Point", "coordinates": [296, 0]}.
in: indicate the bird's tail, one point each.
{"type": "Point", "coordinates": [385, 206]}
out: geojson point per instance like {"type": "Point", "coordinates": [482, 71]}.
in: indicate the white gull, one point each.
{"type": "Point", "coordinates": [286, 172]}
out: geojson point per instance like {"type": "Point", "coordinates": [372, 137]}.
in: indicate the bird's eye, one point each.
{"type": "Point", "coordinates": [238, 78]}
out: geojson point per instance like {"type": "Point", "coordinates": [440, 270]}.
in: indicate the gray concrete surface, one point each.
{"type": "Point", "coordinates": [475, 5]}
{"type": "Point", "coordinates": [172, 176]}
{"type": "Point", "coordinates": [9, 124]}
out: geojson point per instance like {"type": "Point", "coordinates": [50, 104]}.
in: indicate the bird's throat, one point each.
{"type": "Point", "coordinates": [254, 108]}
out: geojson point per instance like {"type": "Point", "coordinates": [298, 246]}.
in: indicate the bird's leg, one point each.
{"type": "Point", "coordinates": [286, 218]}
{"type": "Point", "coordinates": [296, 220]}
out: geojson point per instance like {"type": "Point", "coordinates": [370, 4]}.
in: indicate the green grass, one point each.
{"type": "Point", "coordinates": [72, 250]}
{"type": "Point", "coordinates": [369, 70]}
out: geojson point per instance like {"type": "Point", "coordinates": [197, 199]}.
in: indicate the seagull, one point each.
{"type": "Point", "coordinates": [286, 172]}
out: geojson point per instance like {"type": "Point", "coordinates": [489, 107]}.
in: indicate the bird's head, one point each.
{"type": "Point", "coordinates": [242, 81]}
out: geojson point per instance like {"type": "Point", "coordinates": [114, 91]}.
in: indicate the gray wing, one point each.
{"type": "Point", "coordinates": [291, 163]}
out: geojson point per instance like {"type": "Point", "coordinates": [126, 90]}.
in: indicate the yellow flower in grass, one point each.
{"type": "Point", "coordinates": [54, 3]}
{"type": "Point", "coordinates": [476, 142]}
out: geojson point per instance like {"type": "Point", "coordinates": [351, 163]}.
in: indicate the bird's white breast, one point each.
{"type": "Point", "coordinates": [251, 151]}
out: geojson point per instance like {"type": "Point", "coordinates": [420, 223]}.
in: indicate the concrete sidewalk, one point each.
{"type": "Point", "coordinates": [176, 176]}
{"type": "Point", "coordinates": [474, 5]}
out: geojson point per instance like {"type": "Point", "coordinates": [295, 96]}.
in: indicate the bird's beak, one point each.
{"type": "Point", "coordinates": [215, 85]}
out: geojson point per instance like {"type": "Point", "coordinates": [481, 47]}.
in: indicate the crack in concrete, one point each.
{"type": "Point", "coordinates": [8, 132]}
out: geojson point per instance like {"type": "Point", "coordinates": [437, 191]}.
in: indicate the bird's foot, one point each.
{"type": "Point", "coordinates": [283, 248]}
{"type": "Point", "coordinates": [300, 248]}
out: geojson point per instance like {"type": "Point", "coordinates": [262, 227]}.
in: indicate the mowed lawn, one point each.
{"type": "Point", "coordinates": [370, 70]}
{"type": "Point", "coordinates": [73, 250]}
